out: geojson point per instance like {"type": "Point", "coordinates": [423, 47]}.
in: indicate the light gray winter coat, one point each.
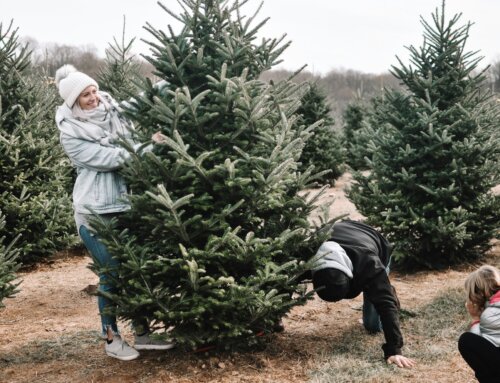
{"type": "Point", "coordinates": [98, 186]}
{"type": "Point", "coordinates": [489, 324]}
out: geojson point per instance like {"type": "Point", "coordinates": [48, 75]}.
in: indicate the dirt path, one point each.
{"type": "Point", "coordinates": [48, 333]}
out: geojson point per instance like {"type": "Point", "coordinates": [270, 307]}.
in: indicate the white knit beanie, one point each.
{"type": "Point", "coordinates": [71, 83]}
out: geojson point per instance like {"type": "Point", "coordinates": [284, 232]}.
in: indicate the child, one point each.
{"type": "Point", "coordinates": [480, 346]}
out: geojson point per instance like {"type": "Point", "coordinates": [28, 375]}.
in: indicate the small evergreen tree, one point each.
{"type": "Point", "coordinates": [325, 149]}
{"type": "Point", "coordinates": [353, 117]}
{"type": "Point", "coordinates": [357, 135]}
{"type": "Point", "coordinates": [8, 266]}
{"type": "Point", "coordinates": [212, 244]}
{"type": "Point", "coordinates": [121, 70]}
{"type": "Point", "coordinates": [432, 170]}
{"type": "Point", "coordinates": [362, 123]}
{"type": "Point", "coordinates": [34, 174]}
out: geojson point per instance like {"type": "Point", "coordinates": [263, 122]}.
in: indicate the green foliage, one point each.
{"type": "Point", "coordinates": [362, 123]}
{"type": "Point", "coordinates": [435, 163]}
{"type": "Point", "coordinates": [8, 266]}
{"type": "Point", "coordinates": [357, 135]}
{"type": "Point", "coordinates": [34, 176]}
{"type": "Point", "coordinates": [13, 99]}
{"type": "Point", "coordinates": [325, 150]}
{"type": "Point", "coordinates": [213, 243]}
{"type": "Point", "coordinates": [120, 71]}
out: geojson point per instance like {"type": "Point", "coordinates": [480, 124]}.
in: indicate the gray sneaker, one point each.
{"type": "Point", "coordinates": [120, 349]}
{"type": "Point", "coordinates": [146, 342]}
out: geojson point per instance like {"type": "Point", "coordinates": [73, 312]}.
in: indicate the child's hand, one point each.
{"type": "Point", "coordinates": [473, 309]}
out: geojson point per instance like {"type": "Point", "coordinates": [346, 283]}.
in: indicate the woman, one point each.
{"type": "Point", "coordinates": [90, 123]}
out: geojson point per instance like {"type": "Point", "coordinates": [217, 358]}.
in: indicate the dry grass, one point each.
{"type": "Point", "coordinates": [48, 334]}
{"type": "Point", "coordinates": [433, 331]}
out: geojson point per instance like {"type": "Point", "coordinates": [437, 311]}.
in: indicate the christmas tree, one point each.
{"type": "Point", "coordinates": [435, 163]}
{"type": "Point", "coordinates": [34, 174]}
{"type": "Point", "coordinates": [212, 247]}
{"type": "Point", "coordinates": [357, 135]}
{"type": "Point", "coordinates": [325, 150]}
{"type": "Point", "coordinates": [8, 266]}
{"type": "Point", "coordinates": [121, 70]}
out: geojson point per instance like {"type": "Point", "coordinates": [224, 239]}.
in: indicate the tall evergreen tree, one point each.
{"type": "Point", "coordinates": [325, 151]}
{"type": "Point", "coordinates": [432, 170]}
{"type": "Point", "coordinates": [8, 266]}
{"type": "Point", "coordinates": [212, 244]}
{"type": "Point", "coordinates": [121, 69]}
{"type": "Point", "coordinates": [34, 174]}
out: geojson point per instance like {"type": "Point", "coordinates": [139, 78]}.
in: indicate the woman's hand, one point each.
{"type": "Point", "coordinates": [158, 138]}
{"type": "Point", "coordinates": [401, 361]}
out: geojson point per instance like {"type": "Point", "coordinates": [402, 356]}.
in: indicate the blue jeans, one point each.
{"type": "Point", "coordinates": [371, 320]}
{"type": "Point", "coordinates": [101, 256]}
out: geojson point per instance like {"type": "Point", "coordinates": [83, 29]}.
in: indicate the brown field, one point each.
{"type": "Point", "coordinates": [48, 333]}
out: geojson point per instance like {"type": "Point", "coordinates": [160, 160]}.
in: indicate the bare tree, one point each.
{"type": "Point", "coordinates": [48, 57]}
{"type": "Point", "coordinates": [494, 76]}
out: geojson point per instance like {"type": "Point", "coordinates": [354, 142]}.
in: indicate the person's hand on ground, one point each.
{"type": "Point", "coordinates": [401, 361]}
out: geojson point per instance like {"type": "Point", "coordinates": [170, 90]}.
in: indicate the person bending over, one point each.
{"type": "Point", "coordinates": [356, 260]}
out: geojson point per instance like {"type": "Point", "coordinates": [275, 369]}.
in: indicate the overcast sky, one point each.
{"type": "Point", "coordinates": [363, 35]}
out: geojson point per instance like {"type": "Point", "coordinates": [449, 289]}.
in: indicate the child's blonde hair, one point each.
{"type": "Point", "coordinates": [482, 283]}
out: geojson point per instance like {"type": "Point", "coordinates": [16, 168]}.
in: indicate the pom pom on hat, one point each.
{"type": "Point", "coordinates": [63, 72]}
{"type": "Point", "coordinates": [71, 83]}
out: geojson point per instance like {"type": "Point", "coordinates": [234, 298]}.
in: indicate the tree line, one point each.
{"type": "Point", "coordinates": [341, 87]}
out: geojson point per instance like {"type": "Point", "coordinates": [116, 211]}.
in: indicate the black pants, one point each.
{"type": "Point", "coordinates": [482, 356]}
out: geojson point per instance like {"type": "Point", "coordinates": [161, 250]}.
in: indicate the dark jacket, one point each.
{"type": "Point", "coordinates": [369, 253]}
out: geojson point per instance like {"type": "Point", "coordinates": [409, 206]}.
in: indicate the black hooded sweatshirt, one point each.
{"type": "Point", "coordinates": [369, 253]}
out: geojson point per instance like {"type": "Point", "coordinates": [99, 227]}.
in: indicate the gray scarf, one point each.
{"type": "Point", "coordinates": [102, 124]}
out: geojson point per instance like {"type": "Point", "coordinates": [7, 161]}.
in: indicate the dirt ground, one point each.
{"type": "Point", "coordinates": [48, 333]}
